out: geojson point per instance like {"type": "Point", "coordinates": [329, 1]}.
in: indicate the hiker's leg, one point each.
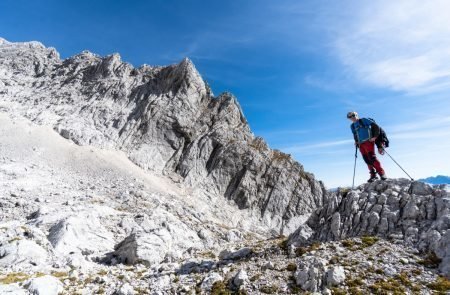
{"type": "Point", "coordinates": [365, 149]}
{"type": "Point", "coordinates": [373, 160]}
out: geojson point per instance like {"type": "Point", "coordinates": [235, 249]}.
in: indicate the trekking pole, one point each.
{"type": "Point", "coordinates": [354, 167]}
{"type": "Point", "coordinates": [398, 164]}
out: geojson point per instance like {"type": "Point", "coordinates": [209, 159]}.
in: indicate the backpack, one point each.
{"type": "Point", "coordinates": [382, 139]}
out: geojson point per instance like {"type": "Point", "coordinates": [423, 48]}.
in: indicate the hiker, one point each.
{"type": "Point", "coordinates": [365, 132]}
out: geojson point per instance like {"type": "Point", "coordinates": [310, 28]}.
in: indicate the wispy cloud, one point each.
{"type": "Point", "coordinates": [403, 45]}
{"type": "Point", "coordinates": [318, 147]}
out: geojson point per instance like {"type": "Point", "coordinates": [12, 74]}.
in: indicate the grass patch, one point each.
{"type": "Point", "coordinates": [430, 260]}
{"type": "Point", "coordinates": [300, 251]}
{"type": "Point", "coordinates": [269, 289]}
{"type": "Point", "coordinates": [255, 278]}
{"type": "Point", "coordinates": [368, 241]}
{"type": "Point", "coordinates": [219, 288]}
{"type": "Point", "coordinates": [354, 282]}
{"type": "Point", "coordinates": [441, 285]}
{"type": "Point", "coordinates": [355, 291]}
{"type": "Point", "coordinates": [390, 286]}
{"type": "Point", "coordinates": [291, 267]}
{"type": "Point", "coordinates": [15, 277]}
{"type": "Point", "coordinates": [208, 254]}
{"type": "Point", "coordinates": [59, 274]}
{"type": "Point", "coordinates": [348, 243]}
{"type": "Point", "coordinates": [338, 291]}
{"type": "Point", "coordinates": [404, 279]}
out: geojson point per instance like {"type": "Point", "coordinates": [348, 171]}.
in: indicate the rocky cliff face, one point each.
{"type": "Point", "coordinates": [414, 214]}
{"type": "Point", "coordinates": [165, 119]}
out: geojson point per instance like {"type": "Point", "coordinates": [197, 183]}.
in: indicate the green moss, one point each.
{"type": "Point", "coordinates": [348, 243]}
{"type": "Point", "coordinates": [441, 285]}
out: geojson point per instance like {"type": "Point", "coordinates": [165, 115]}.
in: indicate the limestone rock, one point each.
{"type": "Point", "coordinates": [419, 219]}
{"type": "Point", "coordinates": [166, 119]}
{"type": "Point", "coordinates": [209, 281]}
{"type": "Point", "coordinates": [241, 278]}
{"type": "Point", "coordinates": [82, 234]}
{"type": "Point", "coordinates": [310, 274]}
{"type": "Point", "coordinates": [235, 255]}
{"type": "Point", "coordinates": [335, 276]}
{"type": "Point", "coordinates": [45, 285]}
{"type": "Point", "coordinates": [12, 289]}
{"type": "Point", "coordinates": [125, 289]}
{"type": "Point", "coordinates": [22, 252]}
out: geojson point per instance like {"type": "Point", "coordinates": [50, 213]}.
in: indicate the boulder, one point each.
{"type": "Point", "coordinates": [22, 252]}
{"type": "Point", "coordinates": [80, 234]}
{"type": "Point", "coordinates": [335, 276]}
{"type": "Point", "coordinates": [45, 285]}
{"type": "Point", "coordinates": [209, 281]}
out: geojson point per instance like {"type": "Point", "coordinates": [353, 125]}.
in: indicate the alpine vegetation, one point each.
{"type": "Point", "coordinates": [124, 180]}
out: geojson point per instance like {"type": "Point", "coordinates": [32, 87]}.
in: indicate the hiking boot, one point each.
{"type": "Point", "coordinates": [372, 178]}
{"type": "Point", "coordinates": [383, 176]}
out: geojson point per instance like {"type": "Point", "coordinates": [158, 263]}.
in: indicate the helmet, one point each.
{"type": "Point", "coordinates": [352, 114]}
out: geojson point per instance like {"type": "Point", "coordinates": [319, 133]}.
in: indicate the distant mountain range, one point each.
{"type": "Point", "coordinates": [440, 179]}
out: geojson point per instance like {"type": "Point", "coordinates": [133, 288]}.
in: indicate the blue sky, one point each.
{"type": "Point", "coordinates": [296, 67]}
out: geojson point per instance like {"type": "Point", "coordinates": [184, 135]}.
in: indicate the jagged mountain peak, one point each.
{"type": "Point", "coordinates": [166, 120]}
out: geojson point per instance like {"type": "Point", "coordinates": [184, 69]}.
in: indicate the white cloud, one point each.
{"type": "Point", "coordinates": [402, 45]}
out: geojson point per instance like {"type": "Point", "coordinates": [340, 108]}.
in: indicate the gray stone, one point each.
{"type": "Point", "coordinates": [310, 273]}
{"type": "Point", "coordinates": [210, 279]}
{"type": "Point", "coordinates": [12, 289]}
{"type": "Point", "coordinates": [240, 279]}
{"type": "Point", "coordinates": [235, 255]}
{"type": "Point", "coordinates": [22, 252]}
{"type": "Point", "coordinates": [45, 285]}
{"type": "Point", "coordinates": [335, 276]}
{"type": "Point", "coordinates": [125, 289]}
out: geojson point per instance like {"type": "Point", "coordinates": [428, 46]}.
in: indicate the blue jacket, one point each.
{"type": "Point", "coordinates": [364, 129]}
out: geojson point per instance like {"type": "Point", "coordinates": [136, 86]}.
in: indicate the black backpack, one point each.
{"type": "Point", "coordinates": [382, 139]}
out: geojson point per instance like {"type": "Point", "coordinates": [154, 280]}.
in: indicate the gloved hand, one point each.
{"type": "Point", "coordinates": [381, 151]}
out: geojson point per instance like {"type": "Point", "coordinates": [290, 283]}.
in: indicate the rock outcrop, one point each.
{"type": "Point", "coordinates": [415, 214]}
{"type": "Point", "coordinates": [165, 119]}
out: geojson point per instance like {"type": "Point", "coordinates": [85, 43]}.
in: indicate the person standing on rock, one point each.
{"type": "Point", "coordinates": [365, 132]}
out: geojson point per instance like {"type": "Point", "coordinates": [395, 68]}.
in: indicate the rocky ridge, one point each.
{"type": "Point", "coordinates": [165, 119]}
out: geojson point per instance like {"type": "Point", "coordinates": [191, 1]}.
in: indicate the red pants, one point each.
{"type": "Point", "coordinates": [367, 150]}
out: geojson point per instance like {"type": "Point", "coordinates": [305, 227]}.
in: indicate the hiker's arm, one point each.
{"type": "Point", "coordinates": [355, 137]}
